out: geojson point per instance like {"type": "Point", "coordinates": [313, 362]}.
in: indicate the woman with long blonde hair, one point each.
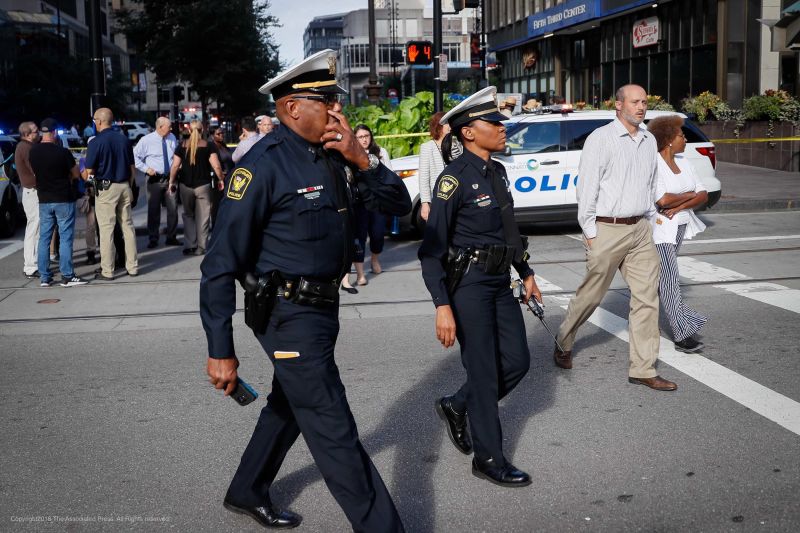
{"type": "Point", "coordinates": [194, 160]}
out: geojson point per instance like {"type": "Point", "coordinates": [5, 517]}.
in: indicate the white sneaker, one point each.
{"type": "Point", "coordinates": [73, 281]}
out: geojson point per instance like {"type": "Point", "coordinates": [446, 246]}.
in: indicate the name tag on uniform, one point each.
{"type": "Point", "coordinates": [483, 200]}
{"type": "Point", "coordinates": [311, 192]}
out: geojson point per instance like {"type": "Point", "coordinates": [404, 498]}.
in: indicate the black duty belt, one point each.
{"type": "Point", "coordinates": [305, 291]}
{"type": "Point", "coordinates": [495, 258]}
{"type": "Point", "coordinates": [619, 220]}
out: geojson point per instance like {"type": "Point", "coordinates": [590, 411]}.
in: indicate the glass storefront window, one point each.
{"type": "Point", "coordinates": [639, 71]}
{"type": "Point", "coordinates": [679, 75]}
{"type": "Point", "coordinates": [659, 75]}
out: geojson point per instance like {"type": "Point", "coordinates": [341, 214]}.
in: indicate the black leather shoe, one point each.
{"type": "Point", "coordinates": [456, 425]}
{"type": "Point", "coordinates": [688, 345]}
{"type": "Point", "coordinates": [504, 476]}
{"type": "Point", "coordinates": [266, 515]}
{"type": "Point", "coordinates": [189, 251]}
{"type": "Point", "coordinates": [173, 242]}
{"type": "Point", "coordinates": [152, 244]}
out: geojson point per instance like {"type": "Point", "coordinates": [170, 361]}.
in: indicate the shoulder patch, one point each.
{"type": "Point", "coordinates": [447, 186]}
{"type": "Point", "coordinates": [238, 182]}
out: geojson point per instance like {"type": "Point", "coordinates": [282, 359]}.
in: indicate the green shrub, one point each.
{"type": "Point", "coordinates": [412, 115]}
{"type": "Point", "coordinates": [761, 107]}
{"type": "Point", "coordinates": [705, 106]}
{"type": "Point", "coordinates": [656, 103]}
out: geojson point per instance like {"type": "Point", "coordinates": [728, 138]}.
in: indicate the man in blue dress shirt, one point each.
{"type": "Point", "coordinates": [153, 156]}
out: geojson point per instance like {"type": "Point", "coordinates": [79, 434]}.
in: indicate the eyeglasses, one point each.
{"type": "Point", "coordinates": [327, 99]}
{"type": "Point", "coordinates": [363, 137]}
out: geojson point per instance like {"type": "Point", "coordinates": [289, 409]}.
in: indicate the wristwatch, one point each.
{"type": "Point", "coordinates": [373, 163]}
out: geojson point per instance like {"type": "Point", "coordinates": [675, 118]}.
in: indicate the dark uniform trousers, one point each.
{"type": "Point", "coordinates": [308, 397]}
{"type": "Point", "coordinates": [494, 351]}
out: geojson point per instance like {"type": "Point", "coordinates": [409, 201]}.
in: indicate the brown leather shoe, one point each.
{"type": "Point", "coordinates": [657, 383]}
{"type": "Point", "coordinates": [562, 359]}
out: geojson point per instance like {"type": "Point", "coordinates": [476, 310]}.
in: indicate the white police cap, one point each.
{"type": "Point", "coordinates": [316, 73]}
{"type": "Point", "coordinates": [480, 106]}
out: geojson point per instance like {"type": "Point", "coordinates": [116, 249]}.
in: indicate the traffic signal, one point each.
{"type": "Point", "coordinates": [419, 52]}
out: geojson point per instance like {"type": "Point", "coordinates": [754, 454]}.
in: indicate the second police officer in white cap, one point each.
{"type": "Point", "coordinates": [286, 217]}
{"type": "Point", "coordinates": [472, 235]}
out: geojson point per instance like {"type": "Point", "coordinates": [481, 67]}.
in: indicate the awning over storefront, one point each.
{"type": "Point", "coordinates": [566, 15]}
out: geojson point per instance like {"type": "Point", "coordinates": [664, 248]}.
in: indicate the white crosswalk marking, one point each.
{"type": "Point", "coordinates": [703, 272]}
{"type": "Point", "coordinates": [12, 247]}
{"type": "Point", "coordinates": [741, 239]}
{"type": "Point", "coordinates": [758, 398]}
{"type": "Point", "coordinates": [768, 293]}
{"type": "Point", "coordinates": [770, 404]}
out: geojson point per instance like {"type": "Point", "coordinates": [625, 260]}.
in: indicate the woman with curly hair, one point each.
{"type": "Point", "coordinates": [195, 158]}
{"type": "Point", "coordinates": [679, 192]}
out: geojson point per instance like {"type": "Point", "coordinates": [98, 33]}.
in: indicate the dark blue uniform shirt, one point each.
{"type": "Point", "coordinates": [464, 212]}
{"type": "Point", "coordinates": [110, 156]}
{"type": "Point", "coordinates": [280, 213]}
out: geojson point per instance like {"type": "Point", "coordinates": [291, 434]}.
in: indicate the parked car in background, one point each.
{"type": "Point", "coordinates": [135, 130]}
{"type": "Point", "coordinates": [11, 211]}
{"type": "Point", "coordinates": [542, 156]}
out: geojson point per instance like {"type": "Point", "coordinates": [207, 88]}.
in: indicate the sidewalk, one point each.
{"type": "Point", "coordinates": [746, 188]}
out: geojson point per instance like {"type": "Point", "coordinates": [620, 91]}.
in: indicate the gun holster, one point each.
{"type": "Point", "coordinates": [259, 300]}
{"type": "Point", "coordinates": [458, 261]}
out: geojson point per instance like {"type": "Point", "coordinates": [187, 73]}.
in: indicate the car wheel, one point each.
{"type": "Point", "coordinates": [8, 214]}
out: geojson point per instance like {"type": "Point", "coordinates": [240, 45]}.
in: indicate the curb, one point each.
{"type": "Point", "coordinates": [745, 205]}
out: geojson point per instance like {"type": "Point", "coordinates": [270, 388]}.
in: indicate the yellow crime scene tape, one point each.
{"type": "Point", "coordinates": [756, 140]}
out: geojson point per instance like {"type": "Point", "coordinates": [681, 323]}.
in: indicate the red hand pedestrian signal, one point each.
{"type": "Point", "coordinates": [419, 52]}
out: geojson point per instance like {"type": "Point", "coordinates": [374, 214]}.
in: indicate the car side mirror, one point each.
{"type": "Point", "coordinates": [507, 151]}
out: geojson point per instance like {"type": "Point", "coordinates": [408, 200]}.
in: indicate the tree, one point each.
{"type": "Point", "coordinates": [224, 50]}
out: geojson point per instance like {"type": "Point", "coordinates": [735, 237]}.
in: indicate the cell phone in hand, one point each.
{"type": "Point", "coordinates": [243, 394]}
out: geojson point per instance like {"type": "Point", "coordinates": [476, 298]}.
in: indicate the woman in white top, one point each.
{"type": "Point", "coordinates": [431, 162]}
{"type": "Point", "coordinates": [367, 223]}
{"type": "Point", "coordinates": [679, 192]}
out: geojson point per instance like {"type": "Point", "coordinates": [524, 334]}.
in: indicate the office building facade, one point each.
{"type": "Point", "coordinates": [583, 50]}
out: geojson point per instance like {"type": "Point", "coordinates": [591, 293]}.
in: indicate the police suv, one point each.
{"type": "Point", "coordinates": [542, 156]}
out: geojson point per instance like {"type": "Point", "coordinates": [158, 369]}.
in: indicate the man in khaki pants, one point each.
{"type": "Point", "coordinates": [109, 157]}
{"type": "Point", "coordinates": [616, 191]}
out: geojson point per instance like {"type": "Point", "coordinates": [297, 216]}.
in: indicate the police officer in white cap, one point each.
{"type": "Point", "coordinates": [471, 225]}
{"type": "Point", "coordinates": [286, 218]}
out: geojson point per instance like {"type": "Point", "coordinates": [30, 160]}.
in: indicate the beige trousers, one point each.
{"type": "Point", "coordinates": [631, 250]}
{"type": "Point", "coordinates": [111, 205]}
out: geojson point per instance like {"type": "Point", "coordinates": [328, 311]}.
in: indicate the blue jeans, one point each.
{"type": "Point", "coordinates": [62, 214]}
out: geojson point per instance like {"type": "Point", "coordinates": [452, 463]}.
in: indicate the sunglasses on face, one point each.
{"type": "Point", "coordinates": [327, 99]}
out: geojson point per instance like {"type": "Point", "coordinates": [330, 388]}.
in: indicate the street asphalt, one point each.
{"type": "Point", "coordinates": [110, 423]}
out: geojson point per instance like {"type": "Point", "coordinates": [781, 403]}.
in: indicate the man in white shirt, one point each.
{"type": "Point", "coordinates": [153, 156]}
{"type": "Point", "coordinates": [616, 192]}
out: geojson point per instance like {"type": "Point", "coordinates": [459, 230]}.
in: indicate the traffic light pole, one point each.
{"type": "Point", "coordinates": [437, 50]}
{"type": "Point", "coordinates": [98, 65]}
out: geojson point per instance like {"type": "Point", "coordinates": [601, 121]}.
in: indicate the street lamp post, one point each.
{"type": "Point", "coordinates": [373, 88]}
{"type": "Point", "coordinates": [437, 50]}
